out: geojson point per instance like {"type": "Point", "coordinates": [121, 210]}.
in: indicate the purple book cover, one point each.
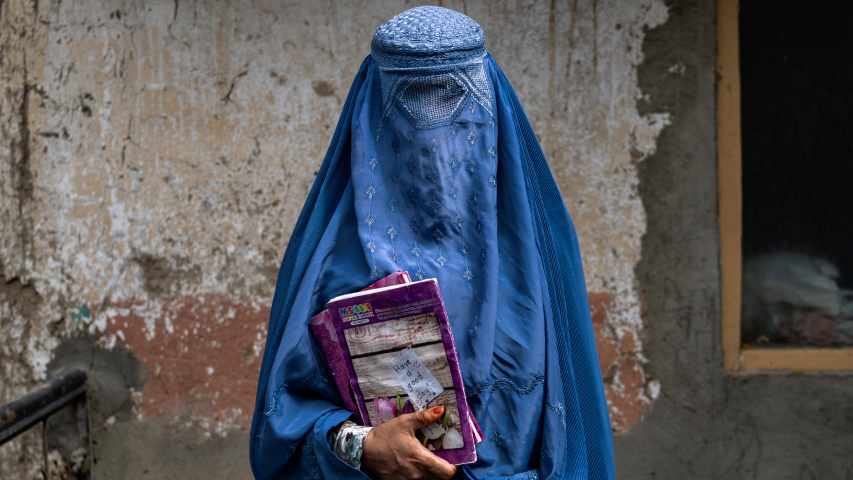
{"type": "Point", "coordinates": [323, 328]}
{"type": "Point", "coordinates": [391, 351]}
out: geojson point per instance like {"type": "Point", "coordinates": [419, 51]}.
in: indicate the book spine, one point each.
{"type": "Point", "coordinates": [323, 328]}
{"type": "Point", "coordinates": [345, 369]}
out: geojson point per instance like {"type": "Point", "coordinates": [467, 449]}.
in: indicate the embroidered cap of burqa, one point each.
{"type": "Point", "coordinates": [434, 169]}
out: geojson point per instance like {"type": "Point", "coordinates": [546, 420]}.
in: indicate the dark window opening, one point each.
{"type": "Point", "coordinates": [797, 137]}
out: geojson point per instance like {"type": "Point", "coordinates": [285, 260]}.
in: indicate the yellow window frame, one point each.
{"type": "Point", "coordinates": [739, 358]}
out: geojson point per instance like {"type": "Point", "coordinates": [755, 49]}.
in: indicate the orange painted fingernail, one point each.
{"type": "Point", "coordinates": [438, 410]}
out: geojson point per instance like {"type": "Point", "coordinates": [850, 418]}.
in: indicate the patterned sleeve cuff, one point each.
{"type": "Point", "coordinates": [348, 442]}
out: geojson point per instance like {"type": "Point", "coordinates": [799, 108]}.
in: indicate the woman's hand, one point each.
{"type": "Point", "coordinates": [391, 450]}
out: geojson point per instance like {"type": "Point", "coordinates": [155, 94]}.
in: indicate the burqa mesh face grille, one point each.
{"type": "Point", "coordinates": [432, 100]}
{"type": "Point", "coordinates": [478, 77]}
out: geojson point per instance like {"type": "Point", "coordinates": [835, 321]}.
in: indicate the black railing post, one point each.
{"type": "Point", "coordinates": [44, 449]}
{"type": "Point", "coordinates": [65, 389]}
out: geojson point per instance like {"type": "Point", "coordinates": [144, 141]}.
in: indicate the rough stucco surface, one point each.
{"type": "Point", "coordinates": [153, 159]}
{"type": "Point", "coordinates": [707, 424]}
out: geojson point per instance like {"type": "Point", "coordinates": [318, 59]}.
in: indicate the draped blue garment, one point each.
{"type": "Point", "coordinates": [423, 178]}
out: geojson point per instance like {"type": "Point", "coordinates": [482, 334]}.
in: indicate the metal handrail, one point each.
{"type": "Point", "coordinates": [63, 390]}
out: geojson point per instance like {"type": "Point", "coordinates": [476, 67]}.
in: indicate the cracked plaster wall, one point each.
{"type": "Point", "coordinates": [154, 157]}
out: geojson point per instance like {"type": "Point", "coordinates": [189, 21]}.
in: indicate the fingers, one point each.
{"type": "Point", "coordinates": [416, 455]}
{"type": "Point", "coordinates": [424, 417]}
{"type": "Point", "coordinates": [435, 466]}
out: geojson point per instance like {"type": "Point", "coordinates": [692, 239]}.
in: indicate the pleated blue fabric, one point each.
{"type": "Point", "coordinates": [434, 169]}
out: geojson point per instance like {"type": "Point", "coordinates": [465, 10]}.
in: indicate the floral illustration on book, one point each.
{"type": "Point", "coordinates": [445, 434]}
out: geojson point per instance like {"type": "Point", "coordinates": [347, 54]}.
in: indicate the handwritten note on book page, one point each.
{"type": "Point", "coordinates": [415, 378]}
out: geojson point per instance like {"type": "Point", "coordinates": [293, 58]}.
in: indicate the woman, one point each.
{"type": "Point", "coordinates": [434, 169]}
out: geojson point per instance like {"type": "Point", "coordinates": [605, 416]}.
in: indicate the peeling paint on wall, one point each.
{"type": "Point", "coordinates": [154, 157]}
{"type": "Point", "coordinates": [203, 366]}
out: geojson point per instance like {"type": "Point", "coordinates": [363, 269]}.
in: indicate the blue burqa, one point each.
{"type": "Point", "coordinates": [434, 169]}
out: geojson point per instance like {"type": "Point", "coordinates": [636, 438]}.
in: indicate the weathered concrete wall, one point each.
{"type": "Point", "coordinates": [154, 156]}
{"type": "Point", "coordinates": [706, 424]}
